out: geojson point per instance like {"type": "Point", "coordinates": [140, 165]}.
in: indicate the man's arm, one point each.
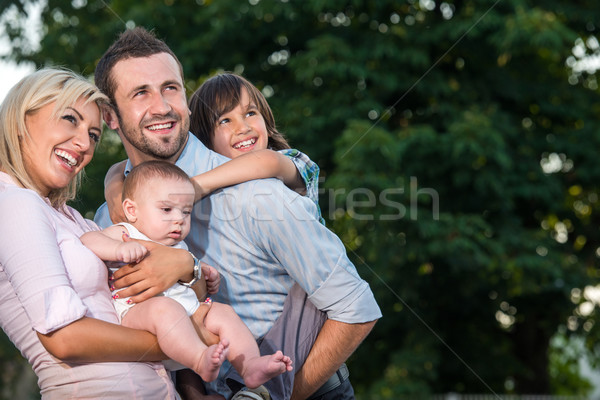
{"type": "Point", "coordinates": [334, 344]}
{"type": "Point", "coordinates": [113, 187]}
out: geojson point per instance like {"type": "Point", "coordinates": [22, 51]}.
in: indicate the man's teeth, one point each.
{"type": "Point", "coordinates": [70, 160]}
{"type": "Point", "coordinates": [156, 127]}
{"type": "Point", "coordinates": [245, 143]}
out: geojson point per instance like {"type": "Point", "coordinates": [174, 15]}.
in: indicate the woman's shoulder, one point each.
{"type": "Point", "coordinates": [11, 193]}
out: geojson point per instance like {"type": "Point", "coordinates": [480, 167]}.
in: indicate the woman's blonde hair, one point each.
{"type": "Point", "coordinates": [45, 86]}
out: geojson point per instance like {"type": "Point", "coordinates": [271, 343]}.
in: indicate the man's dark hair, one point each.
{"type": "Point", "coordinates": [132, 43]}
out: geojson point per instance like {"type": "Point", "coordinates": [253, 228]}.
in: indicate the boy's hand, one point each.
{"type": "Point", "coordinates": [128, 252]}
{"type": "Point", "coordinates": [212, 278]}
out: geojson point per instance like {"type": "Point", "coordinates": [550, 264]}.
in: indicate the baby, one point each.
{"type": "Point", "coordinates": [158, 199]}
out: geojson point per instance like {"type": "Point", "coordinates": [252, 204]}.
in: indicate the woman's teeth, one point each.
{"type": "Point", "coordinates": [69, 159]}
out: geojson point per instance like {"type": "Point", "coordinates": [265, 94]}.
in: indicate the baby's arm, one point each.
{"type": "Point", "coordinates": [113, 188]}
{"type": "Point", "coordinates": [255, 165]}
{"type": "Point", "coordinates": [108, 245]}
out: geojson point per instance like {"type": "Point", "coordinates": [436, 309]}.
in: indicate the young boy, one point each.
{"type": "Point", "coordinates": [158, 201]}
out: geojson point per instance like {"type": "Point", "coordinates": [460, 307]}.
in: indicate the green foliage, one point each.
{"type": "Point", "coordinates": [460, 156]}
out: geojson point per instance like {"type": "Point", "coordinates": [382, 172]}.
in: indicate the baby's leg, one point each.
{"type": "Point", "coordinates": [176, 335]}
{"type": "Point", "coordinates": [243, 352]}
{"type": "Point", "coordinates": [198, 317]}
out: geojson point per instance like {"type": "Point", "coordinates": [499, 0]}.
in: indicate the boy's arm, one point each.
{"type": "Point", "coordinates": [113, 188]}
{"type": "Point", "coordinates": [255, 165]}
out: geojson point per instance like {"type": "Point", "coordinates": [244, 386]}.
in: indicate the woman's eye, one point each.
{"type": "Point", "coordinates": [94, 137]}
{"type": "Point", "coordinates": [69, 118]}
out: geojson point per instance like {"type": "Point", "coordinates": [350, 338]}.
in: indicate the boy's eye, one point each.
{"type": "Point", "coordinates": [223, 121]}
{"type": "Point", "coordinates": [250, 113]}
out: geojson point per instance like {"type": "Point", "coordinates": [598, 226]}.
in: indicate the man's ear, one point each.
{"type": "Point", "coordinates": [130, 210]}
{"type": "Point", "coordinates": [110, 117]}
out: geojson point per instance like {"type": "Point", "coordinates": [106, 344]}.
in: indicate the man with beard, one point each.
{"type": "Point", "coordinates": [263, 238]}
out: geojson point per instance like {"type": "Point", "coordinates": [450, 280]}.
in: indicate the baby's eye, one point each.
{"type": "Point", "coordinates": [187, 212]}
{"type": "Point", "coordinates": [166, 209]}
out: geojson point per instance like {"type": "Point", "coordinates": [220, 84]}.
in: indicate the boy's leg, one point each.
{"type": "Point", "coordinates": [176, 335]}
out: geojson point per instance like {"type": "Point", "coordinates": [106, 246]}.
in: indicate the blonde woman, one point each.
{"type": "Point", "coordinates": [55, 303]}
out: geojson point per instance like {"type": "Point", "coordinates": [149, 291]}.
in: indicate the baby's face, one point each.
{"type": "Point", "coordinates": [163, 209]}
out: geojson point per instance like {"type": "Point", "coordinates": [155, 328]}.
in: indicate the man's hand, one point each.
{"type": "Point", "coordinates": [212, 278]}
{"type": "Point", "coordinates": [158, 271]}
{"type": "Point", "coordinates": [334, 344]}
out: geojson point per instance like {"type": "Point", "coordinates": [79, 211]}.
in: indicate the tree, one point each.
{"type": "Point", "coordinates": [458, 141]}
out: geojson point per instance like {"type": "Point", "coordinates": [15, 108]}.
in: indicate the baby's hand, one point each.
{"type": "Point", "coordinates": [212, 278]}
{"type": "Point", "coordinates": [129, 252]}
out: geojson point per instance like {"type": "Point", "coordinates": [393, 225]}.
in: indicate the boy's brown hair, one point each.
{"type": "Point", "coordinates": [221, 94]}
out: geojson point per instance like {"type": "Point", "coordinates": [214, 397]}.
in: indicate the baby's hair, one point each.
{"type": "Point", "coordinates": [150, 170]}
{"type": "Point", "coordinates": [221, 94]}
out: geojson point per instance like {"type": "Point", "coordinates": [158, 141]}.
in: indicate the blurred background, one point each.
{"type": "Point", "coordinates": [458, 143]}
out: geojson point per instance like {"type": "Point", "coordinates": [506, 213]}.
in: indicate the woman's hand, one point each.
{"type": "Point", "coordinates": [162, 267]}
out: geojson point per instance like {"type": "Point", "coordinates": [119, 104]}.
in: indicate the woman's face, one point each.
{"type": "Point", "coordinates": [59, 147]}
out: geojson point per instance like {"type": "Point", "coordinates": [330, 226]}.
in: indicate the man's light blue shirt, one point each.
{"type": "Point", "coordinates": [263, 237]}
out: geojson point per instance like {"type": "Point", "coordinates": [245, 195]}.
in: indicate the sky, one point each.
{"type": "Point", "coordinates": [11, 74]}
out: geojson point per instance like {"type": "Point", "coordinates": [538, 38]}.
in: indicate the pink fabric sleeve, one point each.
{"type": "Point", "coordinates": [33, 264]}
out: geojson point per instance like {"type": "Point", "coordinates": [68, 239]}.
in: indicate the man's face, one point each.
{"type": "Point", "coordinates": [153, 116]}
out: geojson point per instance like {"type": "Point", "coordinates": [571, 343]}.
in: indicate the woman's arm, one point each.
{"type": "Point", "coordinates": [93, 340]}
{"type": "Point", "coordinates": [113, 188]}
{"type": "Point", "coordinates": [255, 165]}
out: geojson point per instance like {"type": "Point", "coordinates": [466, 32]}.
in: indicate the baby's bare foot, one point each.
{"type": "Point", "coordinates": [211, 360]}
{"type": "Point", "coordinates": [260, 369]}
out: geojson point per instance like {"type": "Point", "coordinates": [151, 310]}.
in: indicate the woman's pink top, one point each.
{"type": "Point", "coordinates": [48, 279]}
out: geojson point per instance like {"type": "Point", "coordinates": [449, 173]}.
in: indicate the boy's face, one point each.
{"type": "Point", "coordinates": [241, 130]}
{"type": "Point", "coordinates": [163, 208]}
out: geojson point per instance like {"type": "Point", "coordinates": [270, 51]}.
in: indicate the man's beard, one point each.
{"type": "Point", "coordinates": [163, 148]}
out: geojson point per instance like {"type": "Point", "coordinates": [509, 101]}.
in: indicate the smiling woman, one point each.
{"type": "Point", "coordinates": [54, 298]}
